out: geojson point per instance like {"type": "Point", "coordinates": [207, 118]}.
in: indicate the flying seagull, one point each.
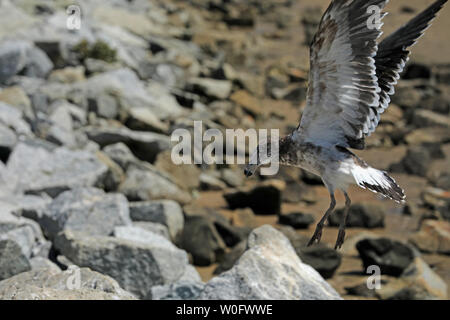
{"type": "Point", "coordinates": [351, 80]}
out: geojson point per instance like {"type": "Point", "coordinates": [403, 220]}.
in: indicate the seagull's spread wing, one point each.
{"type": "Point", "coordinates": [393, 54]}
{"type": "Point", "coordinates": [351, 78]}
{"type": "Point", "coordinates": [343, 92]}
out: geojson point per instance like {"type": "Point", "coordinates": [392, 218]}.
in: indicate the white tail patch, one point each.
{"type": "Point", "coordinates": [379, 182]}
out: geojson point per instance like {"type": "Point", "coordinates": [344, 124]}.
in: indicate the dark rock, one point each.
{"type": "Point", "coordinates": [166, 212]}
{"type": "Point", "coordinates": [242, 18]}
{"type": "Point", "coordinates": [145, 145]}
{"type": "Point", "coordinates": [322, 258]}
{"type": "Point", "coordinates": [393, 257]}
{"type": "Point", "coordinates": [361, 215]}
{"type": "Point", "coordinates": [230, 258]}
{"type": "Point", "coordinates": [416, 161]}
{"type": "Point", "coordinates": [201, 239]}
{"type": "Point", "coordinates": [263, 199]}
{"type": "Point", "coordinates": [417, 70]}
{"type": "Point", "coordinates": [297, 220]}
{"type": "Point", "coordinates": [231, 235]}
{"type": "Point", "coordinates": [8, 140]}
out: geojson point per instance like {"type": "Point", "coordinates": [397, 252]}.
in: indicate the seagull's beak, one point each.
{"type": "Point", "coordinates": [250, 170]}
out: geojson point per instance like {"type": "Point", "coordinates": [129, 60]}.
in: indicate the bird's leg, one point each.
{"type": "Point", "coordinates": [341, 234]}
{"type": "Point", "coordinates": [318, 233]}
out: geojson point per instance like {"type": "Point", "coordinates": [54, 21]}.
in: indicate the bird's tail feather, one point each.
{"type": "Point", "coordinates": [380, 182]}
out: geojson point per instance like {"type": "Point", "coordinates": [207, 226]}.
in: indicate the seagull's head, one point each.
{"type": "Point", "coordinates": [267, 152]}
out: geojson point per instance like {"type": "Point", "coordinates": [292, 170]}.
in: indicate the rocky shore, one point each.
{"type": "Point", "coordinates": [92, 206]}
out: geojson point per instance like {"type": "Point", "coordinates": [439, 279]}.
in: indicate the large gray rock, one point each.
{"type": "Point", "coordinates": [39, 170]}
{"type": "Point", "coordinates": [12, 259]}
{"type": "Point", "coordinates": [89, 210]}
{"type": "Point", "coordinates": [166, 212]}
{"type": "Point", "coordinates": [136, 265]}
{"type": "Point", "coordinates": [24, 236]}
{"type": "Point", "coordinates": [121, 154]}
{"type": "Point", "coordinates": [28, 206]}
{"type": "Point", "coordinates": [52, 284]}
{"type": "Point", "coordinates": [20, 55]}
{"type": "Point", "coordinates": [13, 19]}
{"type": "Point", "coordinates": [132, 92]}
{"type": "Point", "coordinates": [145, 182]}
{"type": "Point", "coordinates": [26, 233]}
{"type": "Point", "coordinates": [269, 269]}
{"type": "Point", "coordinates": [12, 117]}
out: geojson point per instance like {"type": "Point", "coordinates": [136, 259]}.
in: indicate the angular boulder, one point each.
{"type": "Point", "coordinates": [136, 265]}
{"type": "Point", "coordinates": [269, 269]}
{"type": "Point", "coordinates": [40, 170]}
{"type": "Point", "coordinates": [89, 210]}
